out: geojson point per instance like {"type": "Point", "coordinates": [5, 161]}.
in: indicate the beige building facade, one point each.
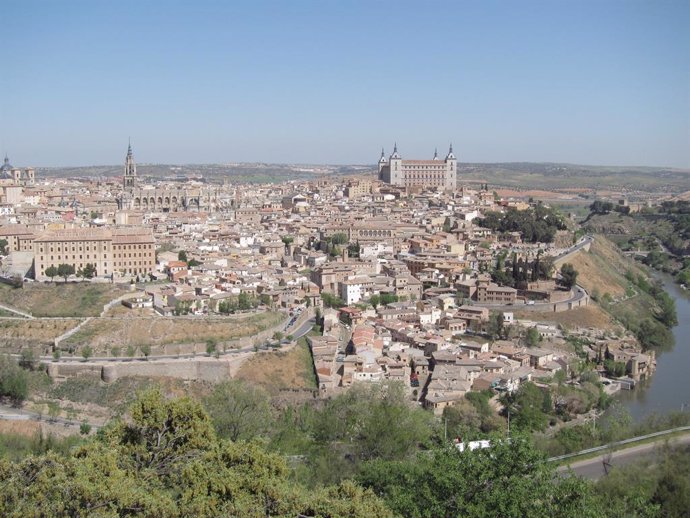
{"type": "Point", "coordinates": [419, 173]}
{"type": "Point", "coordinates": [123, 251]}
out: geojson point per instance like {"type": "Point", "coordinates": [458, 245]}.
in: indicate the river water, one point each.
{"type": "Point", "coordinates": [669, 388]}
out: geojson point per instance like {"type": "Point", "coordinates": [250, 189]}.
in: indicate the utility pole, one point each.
{"type": "Point", "coordinates": [445, 429]}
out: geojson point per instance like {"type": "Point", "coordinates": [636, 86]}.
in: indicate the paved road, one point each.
{"type": "Point", "coordinates": [304, 328]}
{"type": "Point", "coordinates": [578, 291]}
{"type": "Point", "coordinates": [18, 414]}
{"type": "Point", "coordinates": [595, 467]}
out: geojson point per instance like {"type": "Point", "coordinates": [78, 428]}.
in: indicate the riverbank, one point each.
{"type": "Point", "coordinates": [668, 389]}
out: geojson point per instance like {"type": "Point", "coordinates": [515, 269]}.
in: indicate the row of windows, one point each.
{"type": "Point", "coordinates": [87, 248]}
{"type": "Point", "coordinates": [74, 257]}
{"type": "Point", "coordinates": [72, 249]}
{"type": "Point", "coordinates": [135, 255]}
{"type": "Point", "coordinates": [132, 247]}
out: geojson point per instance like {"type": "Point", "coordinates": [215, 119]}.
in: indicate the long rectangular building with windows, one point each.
{"type": "Point", "coordinates": [125, 251]}
{"type": "Point", "coordinates": [419, 173]}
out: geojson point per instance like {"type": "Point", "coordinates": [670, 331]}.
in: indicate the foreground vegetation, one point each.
{"type": "Point", "coordinates": [168, 457]}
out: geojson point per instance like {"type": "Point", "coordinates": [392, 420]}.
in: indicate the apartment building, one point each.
{"type": "Point", "coordinates": [125, 251]}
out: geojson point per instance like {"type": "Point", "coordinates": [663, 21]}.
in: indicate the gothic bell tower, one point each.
{"type": "Point", "coordinates": [130, 177]}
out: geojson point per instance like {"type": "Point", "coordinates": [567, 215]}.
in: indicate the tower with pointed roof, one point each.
{"type": "Point", "coordinates": [130, 178]}
{"type": "Point", "coordinates": [382, 163]}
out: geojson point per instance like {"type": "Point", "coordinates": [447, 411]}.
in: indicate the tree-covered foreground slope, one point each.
{"type": "Point", "coordinates": [166, 460]}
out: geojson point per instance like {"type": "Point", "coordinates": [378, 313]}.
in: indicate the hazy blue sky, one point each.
{"type": "Point", "coordinates": [596, 82]}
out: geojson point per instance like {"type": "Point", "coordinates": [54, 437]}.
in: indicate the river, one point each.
{"type": "Point", "coordinates": [669, 388]}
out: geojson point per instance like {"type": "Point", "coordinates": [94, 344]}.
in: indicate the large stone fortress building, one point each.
{"type": "Point", "coordinates": [147, 198]}
{"type": "Point", "coordinates": [419, 173]}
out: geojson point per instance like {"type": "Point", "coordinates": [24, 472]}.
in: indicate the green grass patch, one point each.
{"type": "Point", "coordinates": [60, 300]}
{"type": "Point", "coordinates": [88, 389]}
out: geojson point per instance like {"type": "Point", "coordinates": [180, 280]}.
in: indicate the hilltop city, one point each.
{"type": "Point", "coordinates": [401, 274]}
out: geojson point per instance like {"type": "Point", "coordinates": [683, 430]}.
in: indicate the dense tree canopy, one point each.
{"type": "Point", "coordinates": [166, 460]}
{"type": "Point", "coordinates": [536, 225]}
{"type": "Point", "coordinates": [509, 479]}
{"type": "Point", "coordinates": [238, 410]}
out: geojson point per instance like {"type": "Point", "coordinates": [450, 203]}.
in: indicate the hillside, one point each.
{"type": "Point", "coordinates": [626, 291]}
{"type": "Point", "coordinates": [602, 269]}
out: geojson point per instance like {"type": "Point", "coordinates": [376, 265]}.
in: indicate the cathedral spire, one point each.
{"type": "Point", "coordinates": [395, 151]}
{"type": "Point", "coordinates": [130, 177]}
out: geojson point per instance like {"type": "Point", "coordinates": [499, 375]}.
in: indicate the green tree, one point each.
{"type": "Point", "coordinates": [245, 302]}
{"type": "Point", "coordinates": [653, 335]}
{"type": "Point", "coordinates": [388, 298]}
{"type": "Point", "coordinates": [532, 337]}
{"type": "Point", "coordinates": [568, 276]}
{"type": "Point", "coordinates": [87, 352]}
{"type": "Point", "coordinates": [615, 369]}
{"type": "Point", "coordinates": [14, 383]}
{"type": "Point", "coordinates": [339, 239]}
{"type": "Point", "coordinates": [51, 272]}
{"type": "Point", "coordinates": [166, 460]}
{"type": "Point", "coordinates": [3, 246]}
{"type": "Point", "coordinates": [27, 360]}
{"type": "Point", "coordinates": [89, 271]}
{"type": "Point", "coordinates": [376, 420]}
{"type": "Point", "coordinates": [332, 301]}
{"type": "Point", "coordinates": [239, 411]}
{"type": "Point", "coordinates": [145, 350]}
{"type": "Point", "coordinates": [507, 480]}
{"type": "Point", "coordinates": [526, 407]}
{"type": "Point", "coordinates": [182, 256]}
{"type": "Point", "coordinates": [374, 300]}
{"type": "Point", "coordinates": [495, 326]}
{"type": "Point", "coordinates": [666, 309]}
{"type": "Point", "coordinates": [65, 270]}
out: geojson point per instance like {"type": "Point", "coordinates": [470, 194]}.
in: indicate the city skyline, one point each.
{"type": "Point", "coordinates": [601, 83]}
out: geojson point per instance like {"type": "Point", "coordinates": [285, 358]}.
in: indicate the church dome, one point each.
{"type": "Point", "coordinates": [6, 169]}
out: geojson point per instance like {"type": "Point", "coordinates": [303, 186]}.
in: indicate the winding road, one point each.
{"type": "Point", "coordinates": [597, 467]}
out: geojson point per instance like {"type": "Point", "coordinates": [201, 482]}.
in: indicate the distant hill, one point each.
{"type": "Point", "coordinates": [239, 173]}
{"type": "Point", "coordinates": [518, 176]}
